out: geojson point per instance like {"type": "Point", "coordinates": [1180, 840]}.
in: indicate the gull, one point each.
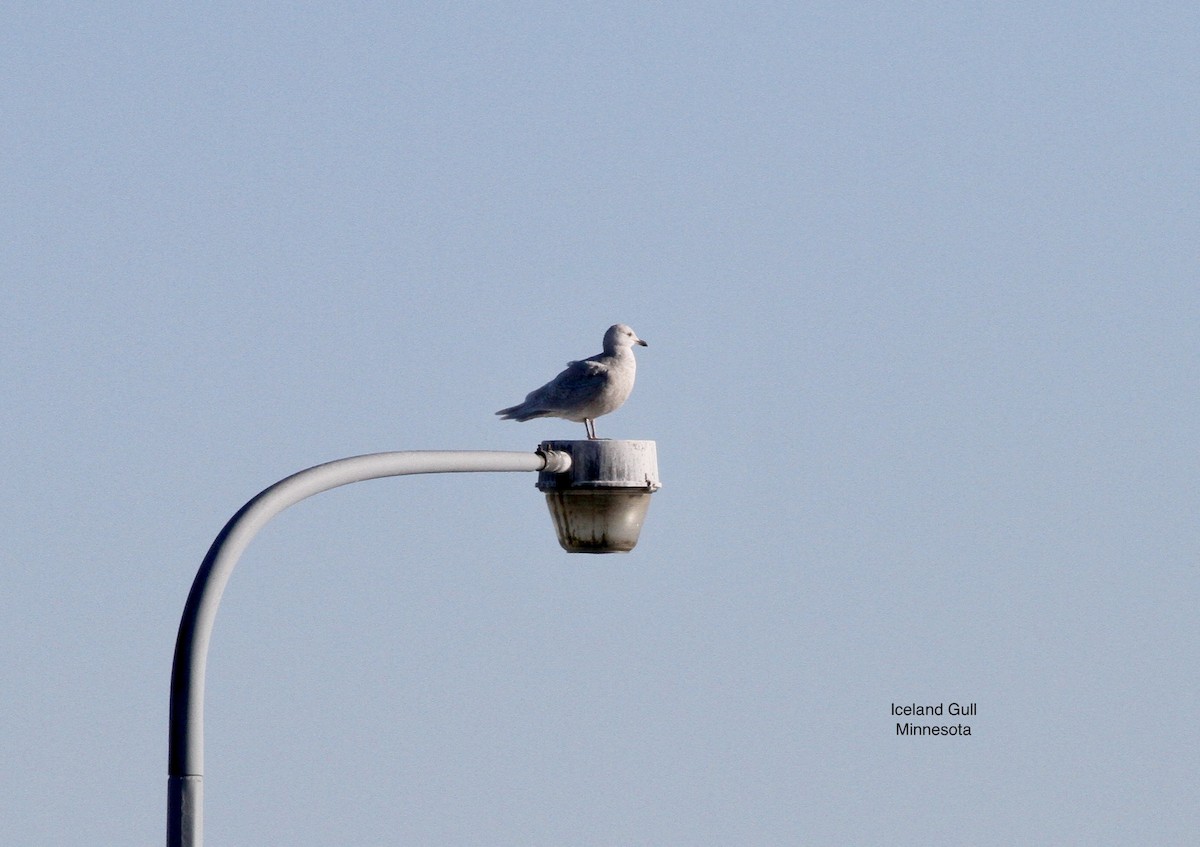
{"type": "Point", "coordinates": [588, 388]}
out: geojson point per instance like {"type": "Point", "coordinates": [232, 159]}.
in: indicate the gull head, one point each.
{"type": "Point", "coordinates": [618, 336]}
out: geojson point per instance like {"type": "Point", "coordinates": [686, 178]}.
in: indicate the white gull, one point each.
{"type": "Point", "coordinates": [588, 388]}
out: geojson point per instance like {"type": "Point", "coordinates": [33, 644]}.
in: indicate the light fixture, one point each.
{"type": "Point", "coordinates": [600, 502]}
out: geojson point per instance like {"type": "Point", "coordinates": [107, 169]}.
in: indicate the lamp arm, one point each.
{"type": "Point", "coordinates": [185, 765]}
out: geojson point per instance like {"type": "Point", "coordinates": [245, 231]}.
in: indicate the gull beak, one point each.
{"type": "Point", "coordinates": [643, 343]}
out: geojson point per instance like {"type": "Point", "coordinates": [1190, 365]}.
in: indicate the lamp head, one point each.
{"type": "Point", "coordinates": [599, 504]}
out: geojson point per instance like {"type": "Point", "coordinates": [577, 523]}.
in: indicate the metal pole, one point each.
{"type": "Point", "coordinates": [185, 768]}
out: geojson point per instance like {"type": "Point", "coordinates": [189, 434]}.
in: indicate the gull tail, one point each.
{"type": "Point", "coordinates": [520, 412]}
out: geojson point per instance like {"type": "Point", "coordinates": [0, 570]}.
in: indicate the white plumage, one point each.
{"type": "Point", "coordinates": [588, 388]}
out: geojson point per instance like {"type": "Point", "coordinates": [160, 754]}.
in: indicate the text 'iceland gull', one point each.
{"type": "Point", "coordinates": [588, 388]}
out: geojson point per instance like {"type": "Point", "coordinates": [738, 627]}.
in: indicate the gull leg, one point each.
{"type": "Point", "coordinates": [590, 426]}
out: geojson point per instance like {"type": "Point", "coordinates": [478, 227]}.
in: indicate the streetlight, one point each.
{"type": "Point", "coordinates": [598, 492]}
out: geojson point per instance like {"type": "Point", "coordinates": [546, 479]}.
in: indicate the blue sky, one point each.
{"type": "Point", "coordinates": [919, 285]}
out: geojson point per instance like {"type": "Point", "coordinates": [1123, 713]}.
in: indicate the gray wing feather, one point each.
{"type": "Point", "coordinates": [571, 388]}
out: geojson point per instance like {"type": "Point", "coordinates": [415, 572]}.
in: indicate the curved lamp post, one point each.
{"type": "Point", "coordinates": [604, 496]}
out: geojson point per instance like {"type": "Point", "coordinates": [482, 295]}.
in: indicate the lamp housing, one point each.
{"type": "Point", "coordinates": [599, 504]}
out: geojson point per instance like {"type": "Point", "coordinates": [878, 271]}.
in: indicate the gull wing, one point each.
{"type": "Point", "coordinates": [573, 387]}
